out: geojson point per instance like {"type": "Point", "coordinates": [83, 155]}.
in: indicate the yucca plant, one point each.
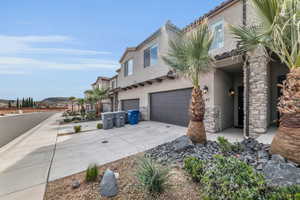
{"type": "Point", "coordinates": [151, 177]}
{"type": "Point", "coordinates": [279, 33]}
{"type": "Point", "coordinates": [189, 55]}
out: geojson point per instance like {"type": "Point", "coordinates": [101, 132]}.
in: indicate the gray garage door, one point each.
{"type": "Point", "coordinates": [130, 104]}
{"type": "Point", "coordinates": [171, 107]}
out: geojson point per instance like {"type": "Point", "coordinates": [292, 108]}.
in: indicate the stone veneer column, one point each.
{"type": "Point", "coordinates": [212, 119]}
{"type": "Point", "coordinates": [258, 93]}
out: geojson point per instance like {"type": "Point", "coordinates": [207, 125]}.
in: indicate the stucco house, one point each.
{"type": "Point", "coordinates": [237, 95]}
{"type": "Point", "coordinates": [100, 83]}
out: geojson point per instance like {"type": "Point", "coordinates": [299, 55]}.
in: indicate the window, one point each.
{"type": "Point", "coordinates": [150, 56]}
{"type": "Point", "coordinates": [113, 84]}
{"type": "Point", "coordinates": [128, 67]}
{"type": "Point", "coordinates": [218, 30]}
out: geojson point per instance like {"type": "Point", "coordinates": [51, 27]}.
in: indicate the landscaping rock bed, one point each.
{"type": "Point", "coordinates": [275, 168]}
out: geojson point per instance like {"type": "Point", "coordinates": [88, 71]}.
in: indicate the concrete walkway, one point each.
{"type": "Point", "coordinates": [25, 162]}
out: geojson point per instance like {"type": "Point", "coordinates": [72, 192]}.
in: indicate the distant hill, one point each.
{"type": "Point", "coordinates": [55, 100]}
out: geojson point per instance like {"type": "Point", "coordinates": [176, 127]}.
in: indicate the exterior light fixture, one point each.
{"type": "Point", "coordinates": [205, 89]}
{"type": "Point", "coordinates": [231, 92]}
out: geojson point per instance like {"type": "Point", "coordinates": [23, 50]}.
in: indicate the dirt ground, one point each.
{"type": "Point", "coordinates": [182, 187]}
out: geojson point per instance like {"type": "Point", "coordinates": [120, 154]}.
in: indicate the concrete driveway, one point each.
{"type": "Point", "coordinates": [74, 153]}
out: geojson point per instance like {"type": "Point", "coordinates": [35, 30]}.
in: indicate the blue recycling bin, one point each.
{"type": "Point", "coordinates": [133, 116]}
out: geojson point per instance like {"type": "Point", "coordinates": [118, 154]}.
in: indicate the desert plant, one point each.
{"type": "Point", "coordinates": [81, 103]}
{"type": "Point", "coordinates": [284, 193]}
{"type": "Point", "coordinates": [77, 129]}
{"type": "Point", "coordinates": [195, 167]}
{"type": "Point", "coordinates": [91, 115]}
{"type": "Point", "coordinates": [72, 99]}
{"type": "Point", "coordinates": [228, 178]}
{"type": "Point", "coordinates": [224, 144]}
{"type": "Point", "coordinates": [91, 173]}
{"type": "Point", "coordinates": [190, 56]}
{"type": "Point", "coordinates": [96, 96]}
{"type": "Point", "coordinates": [279, 34]}
{"type": "Point", "coordinates": [99, 126]}
{"type": "Point", "coordinates": [151, 177]}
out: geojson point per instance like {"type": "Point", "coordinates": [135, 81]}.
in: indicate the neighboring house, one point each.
{"type": "Point", "coordinates": [238, 95]}
{"type": "Point", "coordinates": [100, 83]}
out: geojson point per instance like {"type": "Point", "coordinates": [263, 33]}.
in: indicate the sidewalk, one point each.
{"type": "Point", "coordinates": [25, 162]}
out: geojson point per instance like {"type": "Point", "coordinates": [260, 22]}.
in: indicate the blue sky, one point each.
{"type": "Point", "coordinates": [58, 47]}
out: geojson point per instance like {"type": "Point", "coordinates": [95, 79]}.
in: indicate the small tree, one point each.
{"type": "Point", "coordinates": [190, 56]}
{"type": "Point", "coordinates": [81, 103]}
{"type": "Point", "coordinates": [96, 96]}
{"type": "Point", "coordinates": [72, 99]}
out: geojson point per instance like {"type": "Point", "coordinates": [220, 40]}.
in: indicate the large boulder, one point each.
{"type": "Point", "coordinates": [182, 143]}
{"type": "Point", "coordinates": [108, 185]}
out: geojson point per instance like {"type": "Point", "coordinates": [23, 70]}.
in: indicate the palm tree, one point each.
{"type": "Point", "coordinates": [72, 99]}
{"type": "Point", "coordinates": [96, 96]}
{"type": "Point", "coordinates": [189, 55]}
{"type": "Point", "coordinates": [279, 34]}
{"type": "Point", "coordinates": [81, 102]}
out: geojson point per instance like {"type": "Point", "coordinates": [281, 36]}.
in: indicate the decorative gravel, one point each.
{"type": "Point", "coordinates": [277, 170]}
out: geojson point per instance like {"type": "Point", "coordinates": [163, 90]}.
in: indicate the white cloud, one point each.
{"type": "Point", "coordinates": [24, 44]}
{"type": "Point", "coordinates": [12, 72]}
{"type": "Point", "coordinates": [17, 63]}
{"type": "Point", "coordinates": [36, 57]}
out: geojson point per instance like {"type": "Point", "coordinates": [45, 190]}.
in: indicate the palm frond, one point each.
{"type": "Point", "coordinates": [189, 54]}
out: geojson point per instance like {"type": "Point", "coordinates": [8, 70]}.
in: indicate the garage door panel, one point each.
{"type": "Point", "coordinates": [171, 106]}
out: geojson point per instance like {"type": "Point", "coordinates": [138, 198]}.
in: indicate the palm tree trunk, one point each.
{"type": "Point", "coordinates": [196, 129]}
{"type": "Point", "coordinates": [287, 140]}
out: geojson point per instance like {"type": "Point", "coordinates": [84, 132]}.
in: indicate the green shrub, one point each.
{"type": "Point", "coordinates": [284, 193]}
{"type": "Point", "coordinates": [77, 118]}
{"type": "Point", "coordinates": [67, 120]}
{"type": "Point", "coordinates": [151, 177]}
{"type": "Point", "coordinates": [77, 129]}
{"type": "Point", "coordinates": [91, 173]}
{"type": "Point", "coordinates": [224, 144]}
{"type": "Point", "coordinates": [195, 167]}
{"type": "Point", "coordinates": [91, 115]}
{"type": "Point", "coordinates": [99, 126]}
{"type": "Point", "coordinates": [228, 178]}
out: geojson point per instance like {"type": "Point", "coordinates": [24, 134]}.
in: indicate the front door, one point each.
{"type": "Point", "coordinates": [241, 106]}
{"type": "Point", "coordinates": [280, 80]}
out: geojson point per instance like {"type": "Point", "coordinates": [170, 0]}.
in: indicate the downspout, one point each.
{"type": "Point", "coordinates": [247, 79]}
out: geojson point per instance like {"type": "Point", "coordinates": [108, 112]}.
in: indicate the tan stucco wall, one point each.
{"type": "Point", "coordinates": [140, 73]}
{"type": "Point", "coordinates": [231, 16]}
{"type": "Point", "coordinates": [142, 93]}
{"type": "Point", "coordinates": [222, 83]}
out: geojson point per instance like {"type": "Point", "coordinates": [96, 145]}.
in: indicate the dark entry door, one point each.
{"type": "Point", "coordinates": [241, 106]}
{"type": "Point", "coordinates": [171, 106]}
{"type": "Point", "coordinates": [130, 104]}
{"type": "Point", "coordinates": [280, 80]}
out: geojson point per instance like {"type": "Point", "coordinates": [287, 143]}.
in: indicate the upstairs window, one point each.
{"type": "Point", "coordinates": [128, 68]}
{"type": "Point", "coordinates": [113, 84]}
{"type": "Point", "coordinates": [218, 30]}
{"type": "Point", "coordinates": [151, 56]}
